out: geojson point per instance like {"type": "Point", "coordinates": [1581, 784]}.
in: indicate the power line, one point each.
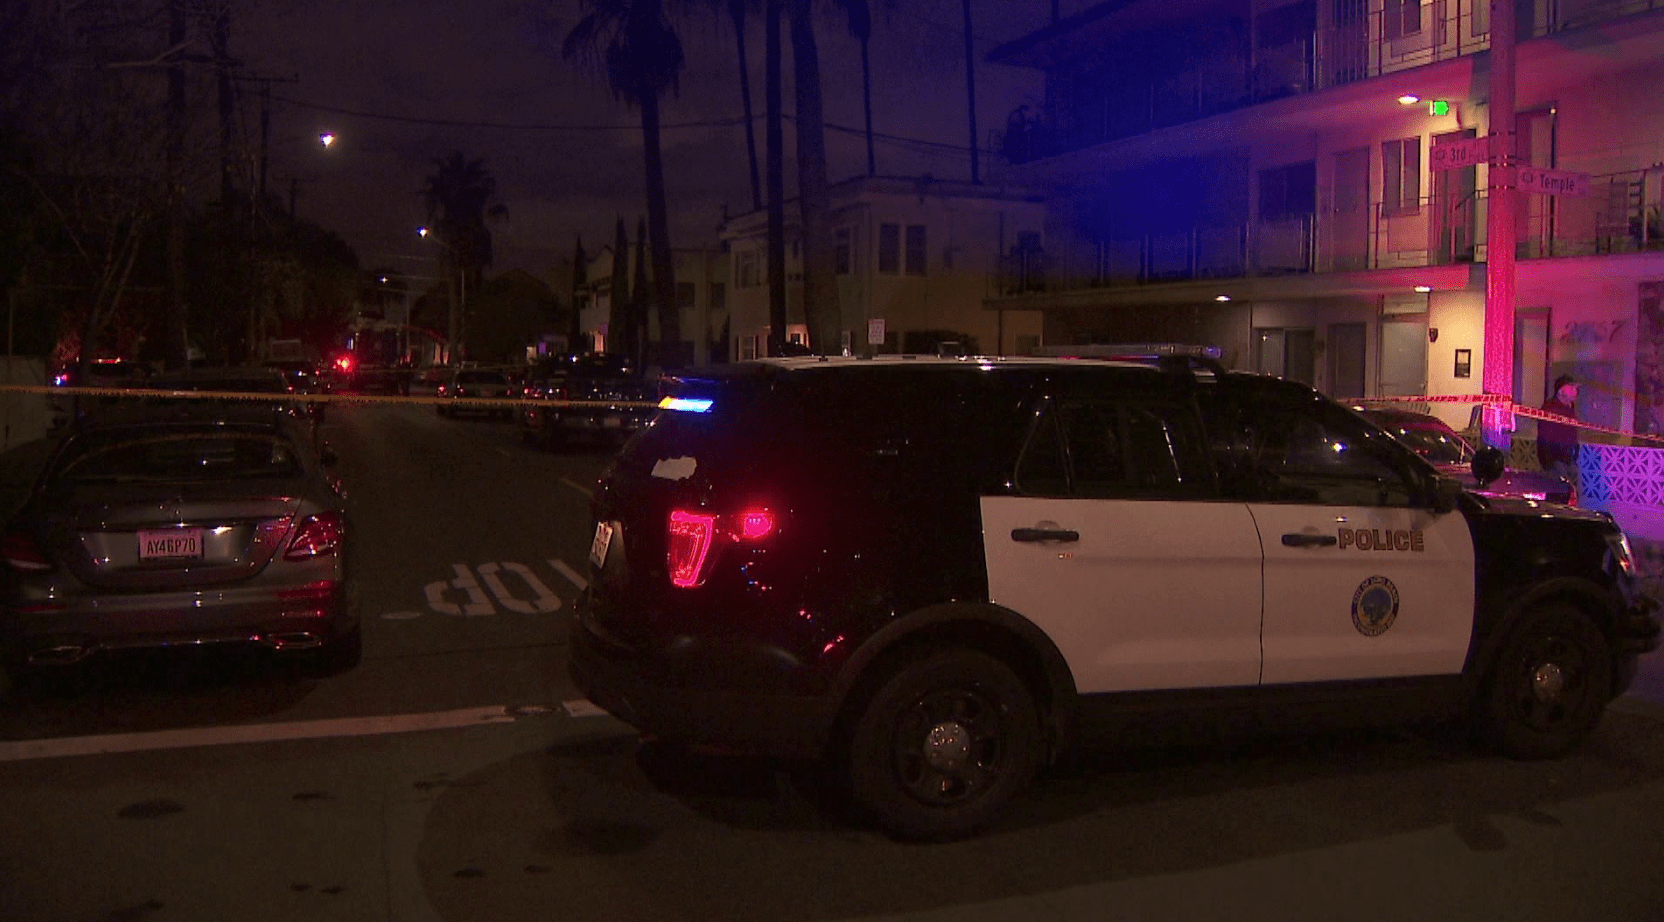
{"type": "Point", "coordinates": [728, 122]}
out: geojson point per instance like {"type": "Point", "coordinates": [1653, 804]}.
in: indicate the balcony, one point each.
{"type": "Point", "coordinates": [1342, 48]}
{"type": "Point", "coordinates": [1624, 213]}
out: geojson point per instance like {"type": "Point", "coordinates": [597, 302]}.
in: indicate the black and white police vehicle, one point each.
{"type": "Point", "coordinates": [930, 571]}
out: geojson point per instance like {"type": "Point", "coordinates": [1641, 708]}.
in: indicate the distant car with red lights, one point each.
{"type": "Point", "coordinates": [104, 373]}
{"type": "Point", "coordinates": [1444, 448]}
{"type": "Point", "coordinates": [478, 391]}
{"type": "Point", "coordinates": [599, 397]}
{"type": "Point", "coordinates": [184, 523]}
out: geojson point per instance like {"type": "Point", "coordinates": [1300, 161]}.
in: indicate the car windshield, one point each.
{"type": "Point", "coordinates": [177, 457]}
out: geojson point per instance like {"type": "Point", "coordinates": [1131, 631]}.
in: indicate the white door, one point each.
{"type": "Point", "coordinates": [1136, 595]}
{"type": "Point", "coordinates": [1362, 580]}
{"type": "Point", "coordinates": [1122, 553]}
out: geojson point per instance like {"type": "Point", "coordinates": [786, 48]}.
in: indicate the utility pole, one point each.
{"type": "Point", "coordinates": [1500, 230]}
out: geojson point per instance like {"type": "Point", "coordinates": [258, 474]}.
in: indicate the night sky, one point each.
{"type": "Point", "coordinates": [403, 82]}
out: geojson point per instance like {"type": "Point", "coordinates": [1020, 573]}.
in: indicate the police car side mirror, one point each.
{"type": "Point", "coordinates": [1446, 492]}
{"type": "Point", "coordinates": [1488, 464]}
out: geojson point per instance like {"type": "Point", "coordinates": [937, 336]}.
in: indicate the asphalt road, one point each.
{"type": "Point", "coordinates": [458, 776]}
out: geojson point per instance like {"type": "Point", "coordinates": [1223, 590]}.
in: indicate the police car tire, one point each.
{"type": "Point", "coordinates": [1548, 685]}
{"type": "Point", "coordinates": [889, 775]}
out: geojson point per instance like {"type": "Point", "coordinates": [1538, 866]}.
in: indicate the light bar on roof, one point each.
{"type": "Point", "coordinates": [685, 404]}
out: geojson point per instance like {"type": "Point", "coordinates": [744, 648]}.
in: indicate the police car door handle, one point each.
{"type": "Point", "coordinates": [1044, 534]}
{"type": "Point", "coordinates": [1309, 540]}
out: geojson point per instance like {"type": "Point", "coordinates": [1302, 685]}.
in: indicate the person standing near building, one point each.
{"type": "Point", "coordinates": [1557, 441]}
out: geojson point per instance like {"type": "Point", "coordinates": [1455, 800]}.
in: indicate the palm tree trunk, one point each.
{"type": "Point", "coordinates": [658, 232]}
{"type": "Point", "coordinates": [772, 11]}
{"type": "Point", "coordinates": [736, 11]}
{"type": "Point", "coordinates": [970, 91]}
{"type": "Point", "coordinates": [866, 106]}
{"type": "Point", "coordinates": [820, 294]}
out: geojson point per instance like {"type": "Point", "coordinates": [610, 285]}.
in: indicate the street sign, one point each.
{"type": "Point", "coordinates": [875, 331]}
{"type": "Point", "coordinates": [1453, 155]}
{"type": "Point", "coordinates": [1553, 182]}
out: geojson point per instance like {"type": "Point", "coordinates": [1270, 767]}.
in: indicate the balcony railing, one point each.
{"type": "Point", "coordinates": [1344, 48]}
{"type": "Point", "coordinates": [1624, 213]}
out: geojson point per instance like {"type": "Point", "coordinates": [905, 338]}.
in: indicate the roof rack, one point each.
{"type": "Point", "coordinates": [1166, 356]}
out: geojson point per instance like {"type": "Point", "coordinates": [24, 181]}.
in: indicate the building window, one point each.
{"type": "Point", "coordinates": [1401, 176]}
{"type": "Point", "coordinates": [684, 296]}
{"type": "Point", "coordinates": [843, 252]}
{"type": "Point", "coordinates": [745, 269]}
{"type": "Point", "coordinates": [719, 296]}
{"type": "Point", "coordinates": [915, 249]}
{"type": "Point", "coordinates": [1401, 18]}
{"type": "Point", "coordinates": [889, 249]}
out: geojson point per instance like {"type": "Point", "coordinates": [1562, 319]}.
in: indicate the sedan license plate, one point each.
{"type": "Point", "coordinates": [598, 547]}
{"type": "Point", "coordinates": [171, 544]}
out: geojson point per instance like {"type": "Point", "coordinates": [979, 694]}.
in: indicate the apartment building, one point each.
{"type": "Point", "coordinates": [1272, 178]}
{"type": "Point", "coordinates": [913, 259]}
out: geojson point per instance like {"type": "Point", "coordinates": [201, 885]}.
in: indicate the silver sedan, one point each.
{"type": "Point", "coordinates": [179, 525]}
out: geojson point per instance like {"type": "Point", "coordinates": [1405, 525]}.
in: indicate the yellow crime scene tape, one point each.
{"type": "Point", "coordinates": [123, 392]}
{"type": "Point", "coordinates": [1518, 409]}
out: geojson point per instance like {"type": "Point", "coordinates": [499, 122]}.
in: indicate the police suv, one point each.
{"type": "Point", "coordinates": [929, 571]}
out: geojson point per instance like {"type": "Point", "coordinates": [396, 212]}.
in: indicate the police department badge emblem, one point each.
{"type": "Point", "coordinates": [1374, 606]}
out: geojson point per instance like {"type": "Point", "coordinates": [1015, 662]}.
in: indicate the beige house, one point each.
{"type": "Point", "coordinates": [701, 295]}
{"type": "Point", "coordinates": [911, 256]}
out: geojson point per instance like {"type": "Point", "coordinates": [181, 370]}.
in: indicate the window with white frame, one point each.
{"type": "Point", "coordinates": [843, 251]}
{"type": "Point", "coordinates": [1401, 176]}
{"type": "Point", "coordinates": [745, 269]}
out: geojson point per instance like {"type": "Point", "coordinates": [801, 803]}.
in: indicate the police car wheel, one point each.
{"type": "Point", "coordinates": [942, 744]}
{"type": "Point", "coordinates": [1548, 685]}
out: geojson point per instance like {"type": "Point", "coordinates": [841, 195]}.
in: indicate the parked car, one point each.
{"type": "Point", "coordinates": [936, 575]}
{"type": "Point", "coordinates": [179, 524]}
{"type": "Point", "coordinates": [107, 373]}
{"type": "Point", "coordinates": [464, 390]}
{"type": "Point", "coordinates": [541, 384]}
{"type": "Point", "coordinates": [1434, 439]}
{"type": "Point", "coordinates": [425, 382]}
{"type": "Point", "coordinates": [597, 396]}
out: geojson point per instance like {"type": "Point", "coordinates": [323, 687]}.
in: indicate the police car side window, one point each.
{"type": "Point", "coordinates": [1116, 450]}
{"type": "Point", "coordinates": [1315, 454]}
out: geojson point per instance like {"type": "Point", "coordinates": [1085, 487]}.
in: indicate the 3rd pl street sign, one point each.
{"type": "Point", "coordinates": [1452, 155]}
{"type": "Point", "coordinates": [1553, 182]}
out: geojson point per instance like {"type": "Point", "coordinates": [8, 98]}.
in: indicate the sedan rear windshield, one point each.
{"type": "Point", "coordinates": [178, 457]}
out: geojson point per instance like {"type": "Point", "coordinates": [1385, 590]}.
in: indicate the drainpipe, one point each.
{"type": "Point", "coordinates": [1500, 228]}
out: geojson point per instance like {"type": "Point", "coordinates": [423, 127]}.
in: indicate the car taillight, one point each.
{"type": "Point", "coordinates": [316, 536]}
{"type": "Point", "coordinates": [22, 553]}
{"type": "Point", "coordinates": [693, 535]}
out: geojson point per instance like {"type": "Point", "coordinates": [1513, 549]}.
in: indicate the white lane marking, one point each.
{"type": "Point", "coordinates": [477, 603]}
{"type": "Point", "coordinates": [582, 707]}
{"type": "Point", "coordinates": [243, 734]}
{"type": "Point", "coordinates": [571, 574]}
{"type": "Point", "coordinates": [578, 486]}
{"type": "Point", "coordinates": [545, 602]}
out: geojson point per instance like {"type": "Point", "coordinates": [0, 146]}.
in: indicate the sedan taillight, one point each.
{"type": "Point", "coordinates": [693, 535]}
{"type": "Point", "coordinates": [22, 553]}
{"type": "Point", "coordinates": [317, 536]}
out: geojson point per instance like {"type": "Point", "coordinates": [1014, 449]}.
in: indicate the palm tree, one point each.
{"type": "Point", "coordinates": [737, 16]}
{"type": "Point", "coordinates": [970, 90]}
{"type": "Point", "coordinates": [458, 197]}
{"type": "Point", "coordinates": [633, 45]}
{"type": "Point", "coordinates": [820, 293]}
{"type": "Point", "coordinates": [620, 338]}
{"type": "Point", "coordinates": [860, 26]}
{"type": "Point", "coordinates": [580, 280]}
{"type": "Point", "coordinates": [772, 13]}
